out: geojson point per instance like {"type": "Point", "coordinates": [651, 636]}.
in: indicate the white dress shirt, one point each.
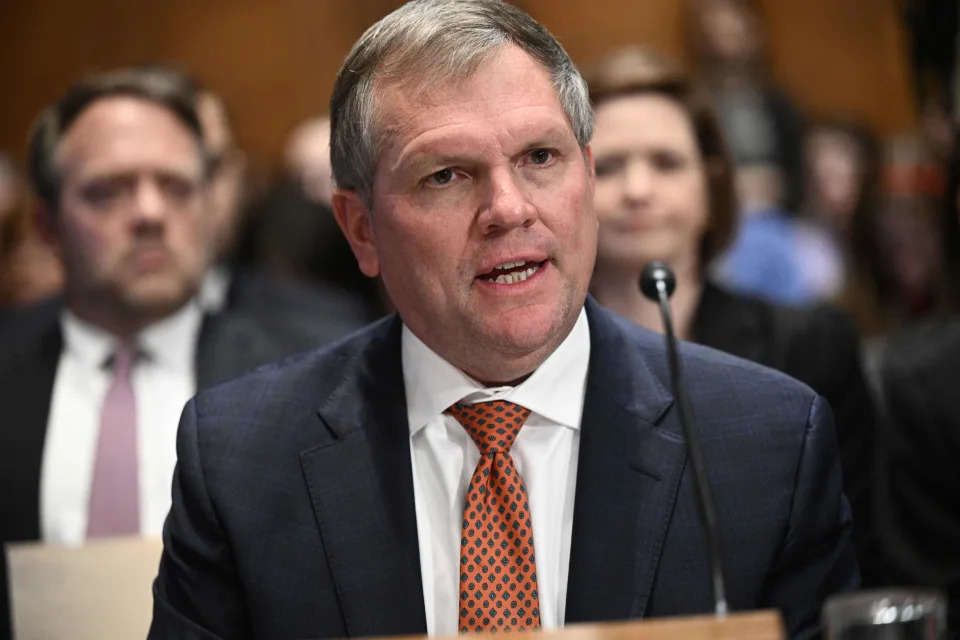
{"type": "Point", "coordinates": [444, 457]}
{"type": "Point", "coordinates": [214, 289]}
{"type": "Point", "coordinates": [163, 380]}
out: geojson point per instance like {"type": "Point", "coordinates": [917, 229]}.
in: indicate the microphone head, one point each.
{"type": "Point", "coordinates": [653, 273]}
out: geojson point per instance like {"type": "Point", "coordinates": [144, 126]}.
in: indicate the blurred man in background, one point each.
{"type": "Point", "coordinates": [95, 381]}
{"type": "Point", "coordinates": [257, 255]}
{"type": "Point", "coordinates": [291, 232]}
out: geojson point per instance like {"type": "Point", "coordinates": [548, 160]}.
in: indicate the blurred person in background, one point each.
{"type": "Point", "coordinates": [119, 170]}
{"type": "Point", "coordinates": [307, 158]}
{"type": "Point", "coordinates": [665, 191]}
{"type": "Point", "coordinates": [28, 269]}
{"type": "Point", "coordinates": [772, 255]}
{"type": "Point", "coordinates": [301, 313]}
{"type": "Point", "coordinates": [760, 122]}
{"type": "Point", "coordinates": [918, 498]}
{"type": "Point", "coordinates": [841, 173]}
{"type": "Point", "coordinates": [933, 27]}
{"type": "Point", "coordinates": [292, 232]}
{"type": "Point", "coordinates": [897, 274]}
{"type": "Point", "coordinates": [11, 197]}
{"type": "Point", "coordinates": [95, 381]}
{"type": "Point", "coordinates": [841, 184]}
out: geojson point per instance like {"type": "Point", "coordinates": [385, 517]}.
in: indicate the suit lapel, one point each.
{"type": "Point", "coordinates": [628, 476]}
{"type": "Point", "coordinates": [361, 486]}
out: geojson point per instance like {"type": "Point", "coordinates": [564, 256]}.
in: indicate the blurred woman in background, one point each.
{"type": "Point", "coordinates": [898, 271]}
{"type": "Point", "coordinates": [841, 184]}
{"type": "Point", "coordinates": [665, 191]}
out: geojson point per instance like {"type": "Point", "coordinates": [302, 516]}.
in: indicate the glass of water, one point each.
{"type": "Point", "coordinates": [888, 614]}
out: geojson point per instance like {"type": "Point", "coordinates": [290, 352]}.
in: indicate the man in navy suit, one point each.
{"type": "Point", "coordinates": [325, 496]}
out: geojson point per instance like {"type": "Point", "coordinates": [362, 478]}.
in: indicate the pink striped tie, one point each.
{"type": "Point", "coordinates": [115, 490]}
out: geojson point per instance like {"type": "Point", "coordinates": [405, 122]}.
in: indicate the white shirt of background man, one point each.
{"type": "Point", "coordinates": [164, 378]}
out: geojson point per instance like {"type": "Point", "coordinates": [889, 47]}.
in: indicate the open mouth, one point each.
{"type": "Point", "coordinates": [512, 272]}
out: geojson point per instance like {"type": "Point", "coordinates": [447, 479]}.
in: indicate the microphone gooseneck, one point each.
{"type": "Point", "coordinates": [658, 282]}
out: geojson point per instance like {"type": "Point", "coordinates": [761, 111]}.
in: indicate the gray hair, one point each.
{"type": "Point", "coordinates": [436, 40]}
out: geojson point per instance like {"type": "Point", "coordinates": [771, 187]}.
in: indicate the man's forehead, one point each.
{"type": "Point", "coordinates": [126, 128]}
{"type": "Point", "coordinates": [505, 79]}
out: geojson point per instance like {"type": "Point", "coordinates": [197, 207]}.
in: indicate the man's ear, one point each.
{"type": "Point", "coordinates": [354, 219]}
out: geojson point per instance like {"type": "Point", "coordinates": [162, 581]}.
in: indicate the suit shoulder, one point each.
{"type": "Point", "coordinates": [714, 368]}
{"type": "Point", "coordinates": [708, 368]}
{"type": "Point", "coordinates": [24, 331]}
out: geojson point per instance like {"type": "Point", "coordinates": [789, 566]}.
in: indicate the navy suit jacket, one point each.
{"type": "Point", "coordinates": [293, 509]}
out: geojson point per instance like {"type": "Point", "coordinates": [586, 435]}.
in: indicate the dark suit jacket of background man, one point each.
{"type": "Point", "coordinates": [294, 512]}
{"type": "Point", "coordinates": [918, 462]}
{"type": "Point", "coordinates": [820, 347]}
{"type": "Point", "coordinates": [264, 319]}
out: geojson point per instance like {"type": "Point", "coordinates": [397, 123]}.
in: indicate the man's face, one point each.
{"type": "Point", "coordinates": [130, 227]}
{"type": "Point", "coordinates": [483, 227]}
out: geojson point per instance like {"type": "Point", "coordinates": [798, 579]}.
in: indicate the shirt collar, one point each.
{"type": "Point", "coordinates": [171, 341]}
{"type": "Point", "coordinates": [90, 344]}
{"type": "Point", "coordinates": [554, 391]}
{"type": "Point", "coordinates": [214, 287]}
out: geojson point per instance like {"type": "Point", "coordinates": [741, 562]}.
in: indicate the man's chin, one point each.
{"type": "Point", "coordinates": [526, 332]}
{"type": "Point", "coordinates": [158, 299]}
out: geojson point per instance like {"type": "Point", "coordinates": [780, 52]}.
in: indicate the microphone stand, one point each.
{"type": "Point", "coordinates": [658, 283]}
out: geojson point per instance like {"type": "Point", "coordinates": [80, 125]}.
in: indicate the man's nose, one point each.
{"type": "Point", "coordinates": [150, 205]}
{"type": "Point", "coordinates": [509, 204]}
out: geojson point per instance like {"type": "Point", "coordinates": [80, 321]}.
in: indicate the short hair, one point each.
{"type": "Point", "coordinates": [161, 86]}
{"type": "Point", "coordinates": [638, 71]}
{"type": "Point", "coordinates": [433, 41]}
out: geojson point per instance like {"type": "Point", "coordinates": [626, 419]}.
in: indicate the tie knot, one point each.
{"type": "Point", "coordinates": [123, 359]}
{"type": "Point", "coordinates": [493, 425]}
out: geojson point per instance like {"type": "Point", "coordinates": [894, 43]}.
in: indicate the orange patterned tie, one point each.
{"type": "Point", "coordinates": [498, 571]}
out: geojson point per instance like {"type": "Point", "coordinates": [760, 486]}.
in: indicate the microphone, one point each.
{"type": "Point", "coordinates": [658, 282]}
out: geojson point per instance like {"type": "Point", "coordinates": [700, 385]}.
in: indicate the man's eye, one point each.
{"type": "Point", "coordinates": [541, 156]}
{"type": "Point", "coordinates": [444, 176]}
{"type": "Point", "coordinates": [101, 193]}
{"type": "Point", "coordinates": [176, 187]}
